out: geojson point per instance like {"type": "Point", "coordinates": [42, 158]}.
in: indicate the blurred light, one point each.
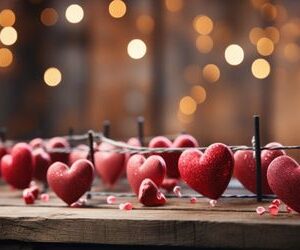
{"type": "Point", "coordinates": [255, 34]}
{"type": "Point", "coordinates": [272, 33]}
{"type": "Point", "coordinates": [281, 13]}
{"type": "Point", "coordinates": [292, 52]}
{"type": "Point", "coordinates": [6, 57]}
{"type": "Point", "coordinates": [192, 74]}
{"type": "Point", "coordinates": [211, 73]}
{"type": "Point", "coordinates": [117, 8]}
{"type": "Point", "coordinates": [203, 25]}
{"type": "Point", "coordinates": [265, 46]}
{"type": "Point", "coordinates": [174, 5]}
{"type": "Point", "coordinates": [187, 105]}
{"type": "Point", "coordinates": [290, 30]}
{"type": "Point", "coordinates": [49, 16]}
{"type": "Point", "coordinates": [198, 93]}
{"type": "Point", "coordinates": [145, 24]}
{"type": "Point", "coordinates": [257, 3]}
{"type": "Point", "coordinates": [260, 68]}
{"type": "Point", "coordinates": [269, 11]}
{"type": "Point", "coordinates": [136, 49]}
{"type": "Point", "coordinates": [74, 13]}
{"type": "Point", "coordinates": [8, 36]}
{"type": "Point", "coordinates": [204, 44]}
{"type": "Point", "coordinates": [7, 18]}
{"type": "Point", "coordinates": [186, 119]}
{"type": "Point", "coordinates": [234, 54]}
{"type": "Point", "coordinates": [52, 77]}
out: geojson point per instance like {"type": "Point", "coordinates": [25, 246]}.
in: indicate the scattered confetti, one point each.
{"type": "Point", "coordinates": [193, 200]}
{"type": "Point", "coordinates": [45, 197]}
{"type": "Point", "coordinates": [111, 199]}
{"type": "Point", "coordinates": [260, 210]}
{"type": "Point", "coordinates": [276, 202]}
{"type": "Point", "coordinates": [125, 206]}
{"type": "Point", "coordinates": [28, 196]}
{"type": "Point", "coordinates": [213, 203]}
{"type": "Point", "coordinates": [273, 209]}
{"type": "Point", "coordinates": [177, 191]}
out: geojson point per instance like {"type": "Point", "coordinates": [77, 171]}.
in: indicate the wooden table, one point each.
{"type": "Point", "coordinates": [233, 223]}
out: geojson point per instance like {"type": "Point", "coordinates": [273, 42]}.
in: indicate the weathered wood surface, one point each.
{"type": "Point", "coordinates": [232, 223]}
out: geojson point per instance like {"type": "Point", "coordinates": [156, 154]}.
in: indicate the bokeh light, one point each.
{"type": "Point", "coordinates": [187, 105]}
{"type": "Point", "coordinates": [174, 5]}
{"type": "Point", "coordinates": [8, 36]}
{"type": "Point", "coordinates": [204, 44]}
{"type": "Point", "coordinates": [269, 11]}
{"type": "Point", "coordinates": [49, 16]}
{"type": "Point", "coordinates": [234, 54]}
{"type": "Point", "coordinates": [7, 18]}
{"type": "Point", "coordinates": [260, 68]}
{"type": "Point", "coordinates": [145, 24]}
{"type": "Point", "coordinates": [255, 34]}
{"type": "Point", "coordinates": [136, 49]}
{"type": "Point", "coordinates": [52, 77]}
{"type": "Point", "coordinates": [291, 52]}
{"type": "Point", "coordinates": [74, 13]}
{"type": "Point", "coordinates": [203, 25]}
{"type": "Point", "coordinates": [117, 8]}
{"type": "Point", "coordinates": [6, 57]}
{"type": "Point", "coordinates": [272, 33]}
{"type": "Point", "coordinates": [198, 93]}
{"type": "Point", "coordinates": [211, 73]}
{"type": "Point", "coordinates": [265, 46]}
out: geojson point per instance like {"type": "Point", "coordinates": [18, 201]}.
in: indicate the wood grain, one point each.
{"type": "Point", "coordinates": [233, 223]}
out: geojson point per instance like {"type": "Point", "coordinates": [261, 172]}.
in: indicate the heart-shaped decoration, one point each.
{"type": "Point", "coordinates": [171, 159]}
{"type": "Point", "coordinates": [150, 195]}
{"type": "Point", "coordinates": [109, 165]}
{"type": "Point", "coordinates": [80, 152]}
{"type": "Point", "coordinates": [17, 167]}
{"type": "Point", "coordinates": [41, 163]}
{"type": "Point", "coordinates": [208, 173]}
{"type": "Point", "coordinates": [284, 179]}
{"type": "Point", "coordinates": [70, 184]}
{"type": "Point", "coordinates": [245, 167]}
{"type": "Point", "coordinates": [140, 168]}
{"type": "Point", "coordinates": [58, 143]}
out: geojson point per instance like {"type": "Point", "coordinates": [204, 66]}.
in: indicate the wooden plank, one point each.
{"type": "Point", "coordinates": [233, 223]}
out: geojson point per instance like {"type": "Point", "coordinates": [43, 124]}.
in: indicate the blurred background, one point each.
{"type": "Point", "coordinates": [204, 67]}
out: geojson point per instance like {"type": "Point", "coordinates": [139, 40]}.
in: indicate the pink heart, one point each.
{"type": "Point", "coordinates": [109, 165]}
{"type": "Point", "coordinates": [150, 195]}
{"type": "Point", "coordinates": [140, 168]}
{"type": "Point", "coordinates": [245, 167]}
{"type": "Point", "coordinates": [17, 167]}
{"type": "Point", "coordinates": [171, 159]}
{"type": "Point", "coordinates": [208, 173]}
{"type": "Point", "coordinates": [70, 184]}
{"type": "Point", "coordinates": [284, 179]}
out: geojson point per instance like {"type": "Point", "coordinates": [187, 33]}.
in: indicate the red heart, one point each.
{"type": "Point", "coordinates": [284, 179]}
{"type": "Point", "coordinates": [109, 165]}
{"type": "Point", "coordinates": [150, 195]}
{"type": "Point", "coordinates": [70, 184]}
{"type": "Point", "coordinates": [3, 151]}
{"type": "Point", "coordinates": [58, 143]}
{"type": "Point", "coordinates": [140, 168]}
{"type": "Point", "coordinates": [17, 167]}
{"type": "Point", "coordinates": [245, 167]}
{"type": "Point", "coordinates": [80, 152]}
{"type": "Point", "coordinates": [171, 159]}
{"type": "Point", "coordinates": [41, 163]}
{"type": "Point", "coordinates": [208, 173]}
